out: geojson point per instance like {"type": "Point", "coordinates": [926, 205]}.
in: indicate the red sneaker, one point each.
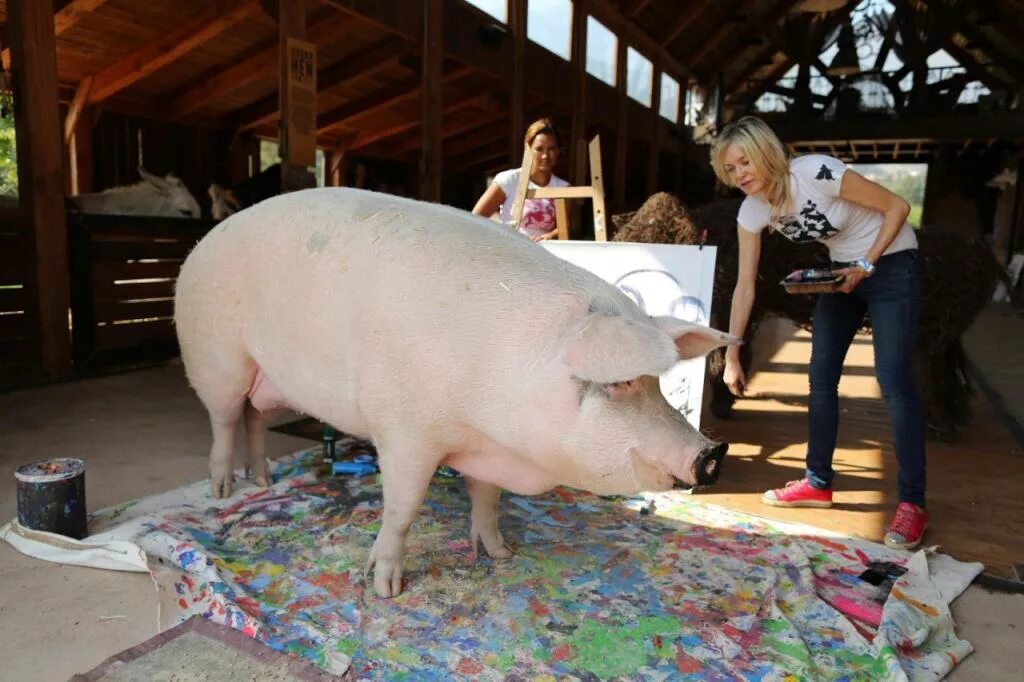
{"type": "Point", "coordinates": [798, 494]}
{"type": "Point", "coordinates": [907, 527]}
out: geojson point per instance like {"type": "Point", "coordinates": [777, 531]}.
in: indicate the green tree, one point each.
{"type": "Point", "coordinates": [8, 151]}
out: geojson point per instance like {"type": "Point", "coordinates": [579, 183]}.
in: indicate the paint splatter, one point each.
{"type": "Point", "coordinates": [595, 590]}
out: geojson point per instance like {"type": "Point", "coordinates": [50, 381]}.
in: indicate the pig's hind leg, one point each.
{"type": "Point", "coordinates": [406, 473]}
{"type": "Point", "coordinates": [255, 440]}
{"type": "Point", "coordinates": [221, 380]}
{"type": "Point", "coordinates": [484, 519]}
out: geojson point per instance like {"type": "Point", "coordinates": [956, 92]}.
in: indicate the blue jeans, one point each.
{"type": "Point", "coordinates": [892, 296]}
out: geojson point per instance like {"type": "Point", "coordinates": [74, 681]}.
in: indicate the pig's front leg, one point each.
{"type": "Point", "coordinates": [484, 519]}
{"type": "Point", "coordinates": [405, 475]}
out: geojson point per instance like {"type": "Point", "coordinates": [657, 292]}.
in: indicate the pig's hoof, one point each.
{"type": "Point", "coordinates": [262, 479]}
{"type": "Point", "coordinates": [502, 552]}
{"type": "Point", "coordinates": [387, 580]}
{"type": "Point", "coordinates": [494, 544]}
{"type": "Point", "coordinates": [709, 464]}
{"type": "Point", "coordinates": [221, 488]}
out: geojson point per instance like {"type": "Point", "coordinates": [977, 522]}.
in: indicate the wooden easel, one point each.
{"type": "Point", "coordinates": [594, 191]}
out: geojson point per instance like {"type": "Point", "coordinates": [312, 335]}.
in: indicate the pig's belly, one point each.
{"type": "Point", "coordinates": [264, 394]}
{"type": "Point", "coordinates": [502, 468]}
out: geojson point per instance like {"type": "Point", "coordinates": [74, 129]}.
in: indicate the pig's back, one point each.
{"type": "Point", "coordinates": [373, 288]}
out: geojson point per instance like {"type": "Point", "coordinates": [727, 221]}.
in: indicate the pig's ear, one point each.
{"type": "Point", "coordinates": [694, 340]}
{"type": "Point", "coordinates": [609, 349]}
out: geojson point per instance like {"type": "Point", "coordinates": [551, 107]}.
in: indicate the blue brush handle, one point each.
{"type": "Point", "coordinates": [362, 465]}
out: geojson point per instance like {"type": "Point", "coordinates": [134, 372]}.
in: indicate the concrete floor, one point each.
{"type": "Point", "coordinates": [144, 432]}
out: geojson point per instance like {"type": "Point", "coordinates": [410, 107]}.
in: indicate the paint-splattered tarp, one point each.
{"type": "Point", "coordinates": [598, 589]}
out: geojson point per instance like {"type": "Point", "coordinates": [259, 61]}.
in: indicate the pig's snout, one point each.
{"type": "Point", "coordinates": [708, 465]}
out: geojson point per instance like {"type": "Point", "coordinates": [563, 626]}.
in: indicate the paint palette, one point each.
{"type": "Point", "coordinates": [812, 281]}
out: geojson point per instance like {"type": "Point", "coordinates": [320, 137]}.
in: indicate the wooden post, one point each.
{"type": "Point", "coordinates": [41, 171]}
{"type": "Point", "coordinates": [517, 25]}
{"type": "Point", "coordinates": [297, 92]}
{"type": "Point", "coordinates": [335, 168]}
{"type": "Point", "coordinates": [579, 92]}
{"type": "Point", "coordinates": [430, 94]}
{"type": "Point", "coordinates": [245, 157]}
{"type": "Point", "coordinates": [622, 134]}
{"type": "Point", "coordinates": [597, 187]}
{"type": "Point", "coordinates": [652, 162]}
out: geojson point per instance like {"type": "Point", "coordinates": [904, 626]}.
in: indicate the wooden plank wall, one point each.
{"type": "Point", "coordinates": [123, 270]}
{"type": "Point", "coordinates": [20, 361]}
{"type": "Point", "coordinates": [198, 156]}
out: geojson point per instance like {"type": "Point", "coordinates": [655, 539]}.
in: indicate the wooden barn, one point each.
{"type": "Point", "coordinates": [430, 100]}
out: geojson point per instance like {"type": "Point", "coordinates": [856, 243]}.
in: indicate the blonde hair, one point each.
{"type": "Point", "coordinates": [542, 126]}
{"type": "Point", "coordinates": [767, 155]}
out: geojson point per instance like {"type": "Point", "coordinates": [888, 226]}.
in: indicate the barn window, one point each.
{"type": "Point", "coordinates": [639, 76]}
{"type": "Point", "coordinates": [496, 8]}
{"type": "Point", "coordinates": [669, 98]}
{"type": "Point", "coordinates": [549, 25]}
{"type": "Point", "coordinates": [694, 104]}
{"type": "Point", "coordinates": [602, 46]}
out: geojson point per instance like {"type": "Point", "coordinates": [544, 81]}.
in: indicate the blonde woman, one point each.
{"type": "Point", "coordinates": [816, 198]}
{"type": "Point", "coordinates": [538, 219]}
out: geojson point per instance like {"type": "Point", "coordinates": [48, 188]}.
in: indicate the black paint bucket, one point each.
{"type": "Point", "coordinates": [51, 496]}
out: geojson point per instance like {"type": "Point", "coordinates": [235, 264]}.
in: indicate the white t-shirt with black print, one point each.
{"type": "Point", "coordinates": [846, 228]}
{"type": "Point", "coordinates": [538, 214]}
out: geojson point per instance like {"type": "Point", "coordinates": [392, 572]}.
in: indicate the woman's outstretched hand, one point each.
{"type": "Point", "coordinates": [735, 378]}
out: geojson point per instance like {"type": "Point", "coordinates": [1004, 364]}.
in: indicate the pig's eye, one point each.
{"type": "Point", "coordinates": [622, 389]}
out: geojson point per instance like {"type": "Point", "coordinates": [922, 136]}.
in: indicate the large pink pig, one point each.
{"type": "Point", "coordinates": [445, 339]}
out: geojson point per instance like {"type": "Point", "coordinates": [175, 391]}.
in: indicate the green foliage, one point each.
{"type": "Point", "coordinates": [905, 180]}
{"type": "Point", "coordinates": [269, 156]}
{"type": "Point", "coordinates": [8, 150]}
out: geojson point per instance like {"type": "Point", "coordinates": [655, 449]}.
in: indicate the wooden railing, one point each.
{"type": "Point", "coordinates": [123, 270]}
{"type": "Point", "coordinates": [19, 325]}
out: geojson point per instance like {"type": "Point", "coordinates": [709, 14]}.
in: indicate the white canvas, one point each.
{"type": "Point", "coordinates": [663, 279]}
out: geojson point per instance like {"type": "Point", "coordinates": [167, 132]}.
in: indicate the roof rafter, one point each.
{"type": "Point", "coordinates": [66, 14]}
{"type": "Point", "coordinates": [202, 28]}
{"type": "Point", "coordinates": [364, 63]}
{"type": "Point", "coordinates": [261, 61]}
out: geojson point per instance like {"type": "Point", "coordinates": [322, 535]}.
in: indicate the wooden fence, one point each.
{"type": "Point", "coordinates": [123, 270]}
{"type": "Point", "coordinates": [19, 321]}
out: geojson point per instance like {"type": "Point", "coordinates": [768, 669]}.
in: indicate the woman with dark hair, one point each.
{"type": "Point", "coordinates": [864, 225]}
{"type": "Point", "coordinates": [538, 219]}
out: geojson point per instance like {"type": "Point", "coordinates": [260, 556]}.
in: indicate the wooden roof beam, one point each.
{"type": "Point", "coordinates": [202, 28]}
{"type": "Point", "coordinates": [370, 60]}
{"type": "Point", "coordinates": [638, 6]}
{"type": "Point", "coordinates": [373, 136]}
{"type": "Point", "coordinates": [761, 27]}
{"type": "Point", "coordinates": [259, 63]}
{"type": "Point", "coordinates": [66, 14]}
{"type": "Point", "coordinates": [456, 128]}
{"type": "Point", "coordinates": [603, 11]}
{"type": "Point", "coordinates": [404, 90]}
{"type": "Point", "coordinates": [687, 17]}
{"type": "Point", "coordinates": [974, 68]}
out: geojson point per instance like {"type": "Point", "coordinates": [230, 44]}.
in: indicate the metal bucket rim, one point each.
{"type": "Point", "coordinates": [74, 467]}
